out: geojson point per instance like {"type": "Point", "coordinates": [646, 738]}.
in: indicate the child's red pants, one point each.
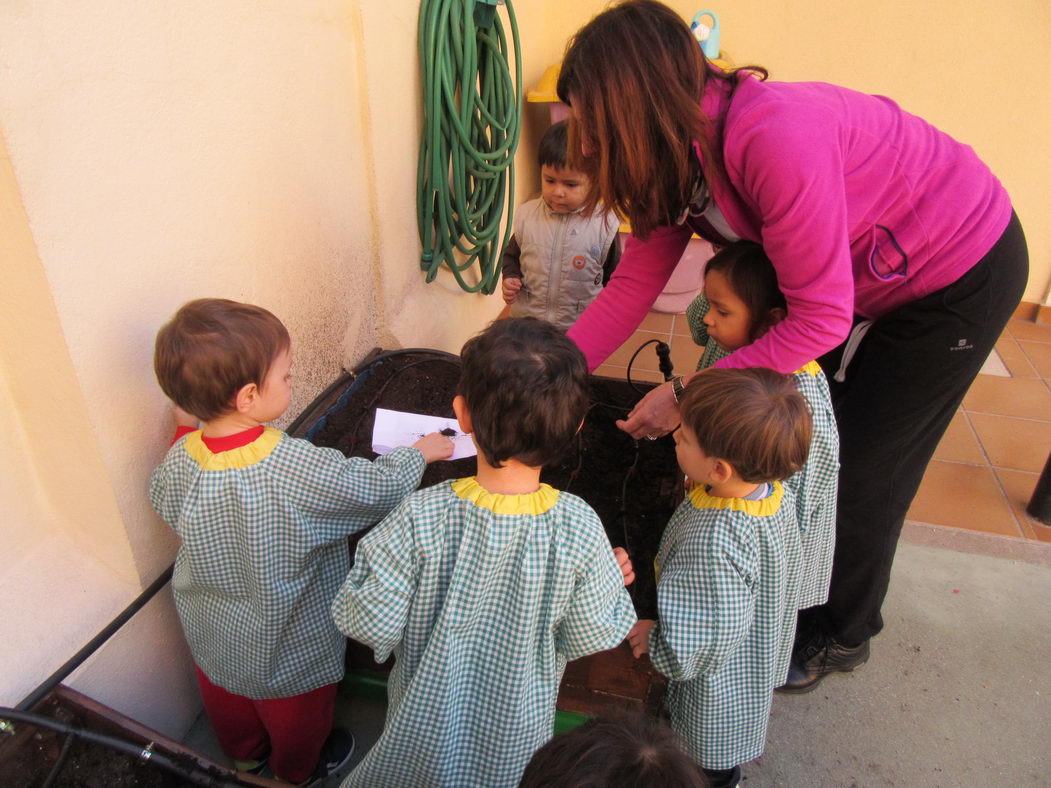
{"type": "Point", "coordinates": [291, 729]}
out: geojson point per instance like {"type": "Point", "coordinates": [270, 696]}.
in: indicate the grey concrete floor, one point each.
{"type": "Point", "coordinates": [957, 691]}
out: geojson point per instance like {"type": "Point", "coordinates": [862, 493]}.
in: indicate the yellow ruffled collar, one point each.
{"type": "Point", "coordinates": [536, 502]}
{"type": "Point", "coordinates": [241, 457]}
{"type": "Point", "coordinates": [701, 499]}
{"type": "Point", "coordinates": [811, 368]}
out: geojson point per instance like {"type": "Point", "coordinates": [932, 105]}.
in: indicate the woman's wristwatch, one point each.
{"type": "Point", "coordinates": [677, 388]}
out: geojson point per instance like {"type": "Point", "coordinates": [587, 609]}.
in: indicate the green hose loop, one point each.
{"type": "Point", "coordinates": [472, 112]}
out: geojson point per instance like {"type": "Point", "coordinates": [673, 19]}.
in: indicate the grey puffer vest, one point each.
{"type": "Point", "coordinates": [562, 257]}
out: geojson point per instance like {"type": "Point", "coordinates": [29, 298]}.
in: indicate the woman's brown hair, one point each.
{"type": "Point", "coordinates": [753, 418]}
{"type": "Point", "coordinates": [635, 76]}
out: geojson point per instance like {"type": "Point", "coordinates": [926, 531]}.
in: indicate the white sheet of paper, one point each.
{"type": "Point", "coordinates": [395, 428]}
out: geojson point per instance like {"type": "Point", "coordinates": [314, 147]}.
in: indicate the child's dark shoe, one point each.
{"type": "Point", "coordinates": [335, 754]}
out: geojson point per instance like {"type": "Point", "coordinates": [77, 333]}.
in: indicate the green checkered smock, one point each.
{"type": "Point", "coordinates": [482, 598]}
{"type": "Point", "coordinates": [726, 597]}
{"type": "Point", "coordinates": [263, 551]}
{"type": "Point", "coordinates": [815, 487]}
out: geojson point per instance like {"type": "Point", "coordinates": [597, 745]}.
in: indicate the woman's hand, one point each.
{"type": "Point", "coordinates": [655, 414]}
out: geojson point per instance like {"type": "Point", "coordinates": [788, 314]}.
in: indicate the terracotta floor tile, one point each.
{"type": "Point", "coordinates": [685, 353]}
{"type": "Point", "coordinates": [681, 327]}
{"type": "Point", "coordinates": [1039, 353]}
{"type": "Point", "coordinates": [1024, 329]}
{"type": "Point", "coordinates": [1019, 487]}
{"type": "Point", "coordinates": [659, 322]}
{"type": "Point", "coordinates": [1018, 444]}
{"type": "Point", "coordinates": [1014, 358]}
{"type": "Point", "coordinates": [963, 496]}
{"type": "Point", "coordinates": [1027, 398]}
{"type": "Point", "coordinates": [647, 358]}
{"type": "Point", "coordinates": [959, 443]}
{"type": "Point", "coordinates": [621, 373]}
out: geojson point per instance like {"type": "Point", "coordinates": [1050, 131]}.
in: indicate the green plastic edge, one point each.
{"type": "Point", "coordinates": [368, 684]}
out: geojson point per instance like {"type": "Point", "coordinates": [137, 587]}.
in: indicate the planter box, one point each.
{"type": "Point", "coordinates": [634, 486]}
{"type": "Point", "coordinates": [28, 756]}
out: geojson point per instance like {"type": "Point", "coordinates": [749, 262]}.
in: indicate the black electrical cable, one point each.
{"type": "Point", "coordinates": [623, 513]}
{"type": "Point", "coordinates": [52, 775]}
{"type": "Point", "coordinates": [663, 359]}
{"type": "Point", "coordinates": [194, 774]}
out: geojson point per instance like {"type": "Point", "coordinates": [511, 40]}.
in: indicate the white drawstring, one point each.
{"type": "Point", "coordinates": [856, 335]}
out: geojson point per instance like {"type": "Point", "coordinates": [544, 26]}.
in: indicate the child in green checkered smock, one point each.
{"type": "Point", "coordinates": [263, 521]}
{"type": "Point", "coordinates": [743, 279]}
{"type": "Point", "coordinates": [727, 565]}
{"type": "Point", "coordinates": [484, 587]}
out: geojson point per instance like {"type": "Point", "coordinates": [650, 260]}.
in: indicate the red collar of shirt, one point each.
{"type": "Point", "coordinates": [225, 443]}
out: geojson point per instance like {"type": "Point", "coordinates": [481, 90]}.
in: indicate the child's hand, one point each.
{"type": "Point", "coordinates": [509, 289]}
{"type": "Point", "coordinates": [184, 419]}
{"type": "Point", "coordinates": [435, 446]}
{"type": "Point", "coordinates": [639, 636]}
{"type": "Point", "coordinates": [626, 568]}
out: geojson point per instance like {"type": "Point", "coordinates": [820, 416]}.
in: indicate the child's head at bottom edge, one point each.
{"type": "Point", "coordinates": [754, 420]}
{"type": "Point", "coordinates": [626, 751]}
{"type": "Point", "coordinates": [524, 386]}
{"type": "Point", "coordinates": [214, 351]}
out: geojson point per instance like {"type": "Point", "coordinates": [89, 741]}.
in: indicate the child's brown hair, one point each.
{"type": "Point", "coordinates": [754, 418]}
{"type": "Point", "coordinates": [552, 148]}
{"type": "Point", "coordinates": [625, 750]}
{"type": "Point", "coordinates": [525, 385]}
{"type": "Point", "coordinates": [212, 348]}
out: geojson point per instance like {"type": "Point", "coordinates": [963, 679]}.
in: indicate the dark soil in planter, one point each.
{"type": "Point", "coordinates": [27, 759]}
{"type": "Point", "coordinates": [634, 486]}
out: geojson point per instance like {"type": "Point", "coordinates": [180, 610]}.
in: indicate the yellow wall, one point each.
{"type": "Point", "coordinates": [152, 152]}
{"type": "Point", "coordinates": [968, 67]}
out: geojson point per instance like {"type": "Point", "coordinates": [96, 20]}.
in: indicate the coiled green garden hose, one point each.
{"type": "Point", "coordinates": [472, 118]}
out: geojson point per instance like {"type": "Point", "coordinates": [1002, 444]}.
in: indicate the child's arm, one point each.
{"type": "Point", "coordinates": [340, 495]}
{"type": "Point", "coordinates": [706, 605]}
{"type": "Point", "coordinates": [372, 605]}
{"type": "Point", "coordinates": [612, 258]}
{"type": "Point", "coordinates": [600, 613]}
{"type": "Point", "coordinates": [511, 271]}
{"type": "Point", "coordinates": [624, 562]}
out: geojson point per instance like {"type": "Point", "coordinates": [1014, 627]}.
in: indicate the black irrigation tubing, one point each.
{"type": "Point", "coordinates": [350, 374]}
{"type": "Point", "coordinates": [447, 358]}
{"type": "Point", "coordinates": [623, 513]}
{"type": "Point", "coordinates": [67, 745]}
{"type": "Point", "coordinates": [632, 361]}
{"type": "Point", "coordinates": [145, 754]}
{"type": "Point", "coordinates": [371, 359]}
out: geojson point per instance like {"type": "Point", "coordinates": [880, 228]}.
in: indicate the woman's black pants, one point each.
{"type": "Point", "coordinates": [902, 387]}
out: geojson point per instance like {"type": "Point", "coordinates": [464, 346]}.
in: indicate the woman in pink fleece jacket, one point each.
{"type": "Point", "coordinates": [873, 219]}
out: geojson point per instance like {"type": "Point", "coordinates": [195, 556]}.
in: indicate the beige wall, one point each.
{"type": "Point", "coordinates": [266, 151]}
{"type": "Point", "coordinates": [262, 151]}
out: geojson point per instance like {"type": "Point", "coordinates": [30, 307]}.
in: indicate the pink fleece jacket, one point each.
{"type": "Point", "coordinates": [860, 206]}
